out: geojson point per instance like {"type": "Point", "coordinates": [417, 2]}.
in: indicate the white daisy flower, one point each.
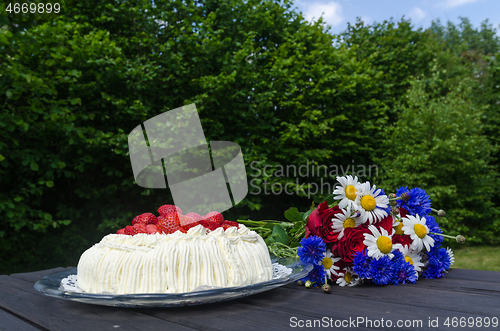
{"type": "Point", "coordinates": [370, 201]}
{"type": "Point", "coordinates": [348, 277]}
{"type": "Point", "coordinates": [379, 243]}
{"type": "Point", "coordinates": [329, 261]}
{"type": "Point", "coordinates": [344, 220]}
{"type": "Point", "coordinates": [413, 257]}
{"type": "Point", "coordinates": [416, 228]}
{"type": "Point", "coordinates": [451, 255]}
{"type": "Point", "coordinates": [346, 191]}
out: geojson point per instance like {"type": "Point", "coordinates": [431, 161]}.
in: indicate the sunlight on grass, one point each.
{"type": "Point", "coordinates": [479, 258]}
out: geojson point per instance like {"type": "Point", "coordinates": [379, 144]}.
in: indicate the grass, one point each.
{"type": "Point", "coordinates": [479, 258]}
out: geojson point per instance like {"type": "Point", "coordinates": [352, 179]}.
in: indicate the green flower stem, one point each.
{"type": "Point", "coordinates": [281, 250]}
{"type": "Point", "coordinates": [459, 238]}
{"type": "Point", "coordinates": [394, 199]}
{"type": "Point", "coordinates": [442, 235]}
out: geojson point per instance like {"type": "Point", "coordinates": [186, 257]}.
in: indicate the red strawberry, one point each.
{"type": "Point", "coordinates": [136, 219]}
{"type": "Point", "coordinates": [227, 224]}
{"type": "Point", "coordinates": [195, 216]}
{"type": "Point", "coordinates": [151, 229]}
{"type": "Point", "coordinates": [165, 209]}
{"type": "Point", "coordinates": [187, 222]}
{"type": "Point", "coordinates": [140, 227]}
{"type": "Point", "coordinates": [146, 218]}
{"type": "Point", "coordinates": [204, 223]}
{"type": "Point", "coordinates": [214, 219]}
{"type": "Point", "coordinates": [168, 223]}
{"type": "Point", "coordinates": [121, 231]}
{"type": "Point", "coordinates": [130, 230]}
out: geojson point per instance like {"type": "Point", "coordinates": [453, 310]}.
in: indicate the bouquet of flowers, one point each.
{"type": "Point", "coordinates": [361, 234]}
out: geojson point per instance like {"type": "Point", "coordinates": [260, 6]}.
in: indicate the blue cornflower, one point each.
{"type": "Point", "coordinates": [438, 262]}
{"type": "Point", "coordinates": [418, 203]}
{"type": "Point", "coordinates": [382, 270]}
{"type": "Point", "coordinates": [405, 273]}
{"type": "Point", "coordinates": [311, 250]}
{"type": "Point", "coordinates": [362, 265]}
{"type": "Point", "coordinates": [398, 257]}
{"type": "Point", "coordinates": [434, 227]}
{"type": "Point", "coordinates": [316, 275]}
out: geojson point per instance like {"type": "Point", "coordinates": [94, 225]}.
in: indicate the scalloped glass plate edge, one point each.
{"type": "Point", "coordinates": [50, 286]}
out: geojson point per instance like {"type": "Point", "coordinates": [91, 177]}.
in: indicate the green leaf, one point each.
{"type": "Point", "coordinates": [18, 199]}
{"type": "Point", "coordinates": [76, 101]}
{"type": "Point", "coordinates": [279, 234]}
{"type": "Point", "coordinates": [34, 166]}
{"type": "Point", "coordinates": [65, 222]}
{"type": "Point", "coordinates": [293, 215]}
{"type": "Point", "coordinates": [2, 157]}
{"type": "Point", "coordinates": [49, 183]}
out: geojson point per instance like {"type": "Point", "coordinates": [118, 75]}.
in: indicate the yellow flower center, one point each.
{"type": "Point", "coordinates": [420, 230]}
{"type": "Point", "coordinates": [368, 203]}
{"type": "Point", "coordinates": [347, 277]}
{"type": "Point", "coordinates": [399, 228]}
{"type": "Point", "coordinates": [384, 244]}
{"type": "Point", "coordinates": [409, 260]}
{"type": "Point", "coordinates": [327, 263]}
{"type": "Point", "coordinates": [350, 192]}
{"type": "Point", "coordinates": [349, 223]}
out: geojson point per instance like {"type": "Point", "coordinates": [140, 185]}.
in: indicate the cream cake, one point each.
{"type": "Point", "coordinates": [174, 263]}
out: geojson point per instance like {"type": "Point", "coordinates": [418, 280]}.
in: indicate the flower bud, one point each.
{"type": "Point", "coordinates": [300, 283]}
{"type": "Point", "coordinates": [357, 213]}
{"type": "Point", "coordinates": [405, 196]}
{"type": "Point", "coordinates": [441, 213]}
{"type": "Point", "coordinates": [309, 284]}
{"type": "Point", "coordinates": [394, 211]}
{"type": "Point", "coordinates": [460, 239]}
{"type": "Point", "coordinates": [392, 196]}
{"type": "Point", "coordinates": [326, 288]}
{"type": "Point", "coordinates": [392, 203]}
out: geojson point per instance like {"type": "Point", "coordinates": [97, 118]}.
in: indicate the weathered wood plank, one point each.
{"type": "Point", "coordinates": [10, 322]}
{"type": "Point", "coordinates": [474, 275]}
{"type": "Point", "coordinates": [443, 284]}
{"type": "Point", "coordinates": [241, 314]}
{"type": "Point", "coordinates": [462, 293]}
{"type": "Point", "coordinates": [426, 293]}
{"type": "Point", "coordinates": [412, 306]}
{"type": "Point", "coordinates": [21, 298]}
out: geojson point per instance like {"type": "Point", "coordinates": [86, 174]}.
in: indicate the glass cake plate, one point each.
{"type": "Point", "coordinates": [51, 285]}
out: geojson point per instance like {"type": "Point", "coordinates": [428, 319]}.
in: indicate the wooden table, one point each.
{"type": "Point", "coordinates": [467, 295]}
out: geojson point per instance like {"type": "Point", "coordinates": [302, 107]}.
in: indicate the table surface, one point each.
{"type": "Point", "coordinates": [467, 296]}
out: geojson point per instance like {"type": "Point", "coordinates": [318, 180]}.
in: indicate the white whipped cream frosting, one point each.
{"type": "Point", "coordinates": [174, 263]}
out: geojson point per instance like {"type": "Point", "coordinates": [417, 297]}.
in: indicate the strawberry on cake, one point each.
{"type": "Point", "coordinates": [174, 253]}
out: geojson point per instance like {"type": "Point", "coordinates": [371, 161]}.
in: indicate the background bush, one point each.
{"type": "Point", "coordinates": [72, 86]}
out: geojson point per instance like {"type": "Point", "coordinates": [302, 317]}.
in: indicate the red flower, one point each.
{"type": "Point", "coordinates": [319, 223]}
{"type": "Point", "coordinates": [385, 223]}
{"type": "Point", "coordinates": [401, 239]}
{"type": "Point", "coordinates": [351, 242]}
